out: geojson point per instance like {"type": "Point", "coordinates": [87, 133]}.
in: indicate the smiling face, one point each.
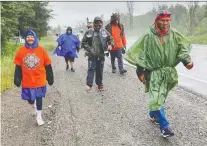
{"type": "Point", "coordinates": [30, 39]}
{"type": "Point", "coordinates": [164, 23]}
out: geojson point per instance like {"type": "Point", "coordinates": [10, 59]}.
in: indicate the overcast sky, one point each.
{"type": "Point", "coordinates": [70, 13]}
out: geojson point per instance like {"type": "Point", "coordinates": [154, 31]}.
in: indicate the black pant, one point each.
{"type": "Point", "coordinates": [95, 64]}
{"type": "Point", "coordinates": [69, 58]}
{"type": "Point", "coordinates": [38, 102]}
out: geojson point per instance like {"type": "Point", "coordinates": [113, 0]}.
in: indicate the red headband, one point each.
{"type": "Point", "coordinates": [162, 16]}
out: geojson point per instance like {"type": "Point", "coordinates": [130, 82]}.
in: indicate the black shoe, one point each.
{"type": "Point", "coordinates": [72, 70]}
{"type": "Point", "coordinates": [114, 70]}
{"type": "Point", "coordinates": [67, 67]}
{"type": "Point", "coordinates": [123, 71]}
{"type": "Point", "coordinates": [154, 120]}
{"type": "Point", "coordinates": [166, 132]}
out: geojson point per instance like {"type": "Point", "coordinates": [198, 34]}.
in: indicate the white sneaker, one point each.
{"type": "Point", "coordinates": [40, 122]}
{"type": "Point", "coordinates": [39, 118]}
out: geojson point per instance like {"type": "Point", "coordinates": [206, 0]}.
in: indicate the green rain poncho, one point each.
{"type": "Point", "coordinates": [161, 59]}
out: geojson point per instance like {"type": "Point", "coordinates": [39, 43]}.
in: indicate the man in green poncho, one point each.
{"type": "Point", "coordinates": [156, 55]}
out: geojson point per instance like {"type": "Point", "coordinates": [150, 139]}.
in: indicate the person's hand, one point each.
{"type": "Point", "coordinates": [189, 65]}
{"type": "Point", "coordinates": [123, 50]}
{"type": "Point", "coordinates": [59, 47]}
{"type": "Point", "coordinates": [110, 47]}
{"type": "Point", "coordinates": [141, 78]}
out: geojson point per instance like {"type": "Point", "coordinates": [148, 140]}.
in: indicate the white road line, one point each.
{"type": "Point", "coordinates": [181, 74]}
{"type": "Point", "coordinates": [203, 81]}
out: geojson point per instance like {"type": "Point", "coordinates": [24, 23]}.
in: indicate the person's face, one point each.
{"type": "Point", "coordinates": [30, 39]}
{"type": "Point", "coordinates": [89, 26]}
{"type": "Point", "coordinates": [116, 20]}
{"type": "Point", "coordinates": [69, 31]}
{"type": "Point", "coordinates": [163, 23]}
{"type": "Point", "coordinates": [98, 25]}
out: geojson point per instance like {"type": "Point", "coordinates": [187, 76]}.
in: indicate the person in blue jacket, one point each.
{"type": "Point", "coordinates": [68, 46]}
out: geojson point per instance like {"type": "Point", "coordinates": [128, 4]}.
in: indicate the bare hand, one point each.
{"type": "Point", "coordinates": [109, 47]}
{"type": "Point", "coordinates": [189, 65]}
{"type": "Point", "coordinates": [141, 77]}
{"type": "Point", "coordinates": [59, 47]}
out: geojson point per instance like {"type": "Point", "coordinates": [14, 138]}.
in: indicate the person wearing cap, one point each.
{"type": "Point", "coordinates": [156, 54]}
{"type": "Point", "coordinates": [68, 46]}
{"type": "Point", "coordinates": [32, 71]}
{"type": "Point", "coordinates": [116, 29]}
{"type": "Point", "coordinates": [96, 42]}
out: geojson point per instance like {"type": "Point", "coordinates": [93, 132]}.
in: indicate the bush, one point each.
{"type": "Point", "coordinates": [7, 65]}
{"type": "Point", "coordinates": [7, 73]}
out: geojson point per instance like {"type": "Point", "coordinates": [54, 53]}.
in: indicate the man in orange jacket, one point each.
{"type": "Point", "coordinates": [117, 31]}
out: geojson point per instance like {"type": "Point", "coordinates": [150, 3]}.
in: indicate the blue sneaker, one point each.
{"type": "Point", "coordinates": [72, 70]}
{"type": "Point", "coordinates": [154, 119]}
{"type": "Point", "coordinates": [166, 132]}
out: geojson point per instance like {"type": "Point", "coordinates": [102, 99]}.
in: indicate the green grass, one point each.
{"type": "Point", "coordinates": [48, 47]}
{"type": "Point", "coordinates": [202, 39]}
{"type": "Point", "coordinates": [7, 65]}
{"type": "Point", "coordinates": [48, 42]}
{"type": "Point", "coordinates": [47, 39]}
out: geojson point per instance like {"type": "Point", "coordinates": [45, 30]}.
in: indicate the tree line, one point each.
{"type": "Point", "coordinates": [190, 19]}
{"type": "Point", "coordinates": [18, 16]}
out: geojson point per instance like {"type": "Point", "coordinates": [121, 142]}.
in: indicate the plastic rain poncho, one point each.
{"type": "Point", "coordinates": [161, 59]}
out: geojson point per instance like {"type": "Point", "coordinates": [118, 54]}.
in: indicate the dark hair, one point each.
{"type": "Point", "coordinates": [164, 12]}
{"type": "Point", "coordinates": [114, 17]}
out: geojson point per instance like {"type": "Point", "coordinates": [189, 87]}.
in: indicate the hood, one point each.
{"type": "Point", "coordinates": [35, 44]}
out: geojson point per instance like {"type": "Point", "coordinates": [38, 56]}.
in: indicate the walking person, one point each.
{"type": "Point", "coordinates": [96, 42]}
{"type": "Point", "coordinates": [32, 71]}
{"type": "Point", "coordinates": [68, 46]}
{"type": "Point", "coordinates": [116, 29]}
{"type": "Point", "coordinates": [156, 54]}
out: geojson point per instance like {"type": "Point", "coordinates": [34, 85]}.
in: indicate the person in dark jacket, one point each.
{"type": "Point", "coordinates": [32, 71]}
{"type": "Point", "coordinates": [96, 42]}
{"type": "Point", "coordinates": [116, 29]}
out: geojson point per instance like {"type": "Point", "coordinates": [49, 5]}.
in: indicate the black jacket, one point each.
{"type": "Point", "coordinates": [88, 38]}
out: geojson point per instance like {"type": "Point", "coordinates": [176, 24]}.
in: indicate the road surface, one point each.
{"type": "Point", "coordinates": [114, 117]}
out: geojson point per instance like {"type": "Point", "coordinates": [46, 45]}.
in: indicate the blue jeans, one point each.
{"type": "Point", "coordinates": [95, 65]}
{"type": "Point", "coordinates": [117, 54]}
{"type": "Point", "coordinates": [160, 115]}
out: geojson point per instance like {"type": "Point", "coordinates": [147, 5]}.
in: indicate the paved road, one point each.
{"type": "Point", "coordinates": [114, 117]}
